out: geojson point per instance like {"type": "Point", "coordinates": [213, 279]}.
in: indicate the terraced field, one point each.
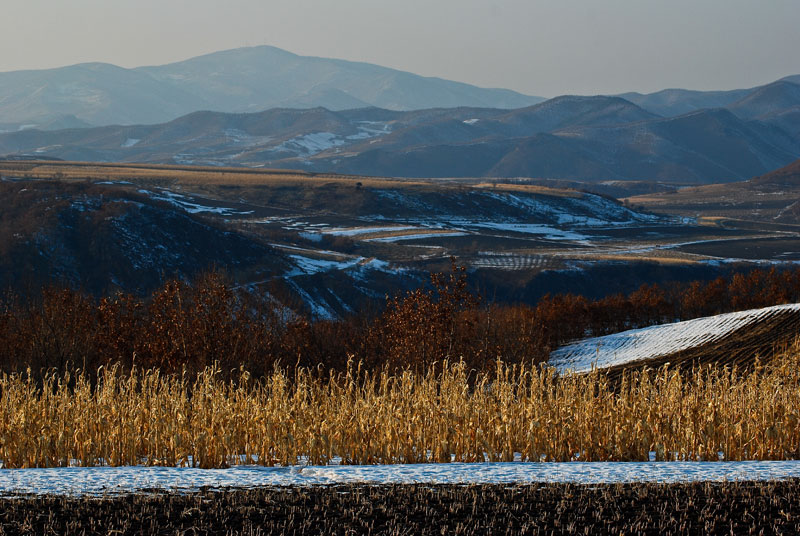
{"type": "Point", "coordinates": [510, 261]}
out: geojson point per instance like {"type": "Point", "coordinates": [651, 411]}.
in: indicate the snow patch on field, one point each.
{"type": "Point", "coordinates": [314, 237]}
{"type": "Point", "coordinates": [355, 231]}
{"type": "Point", "coordinates": [655, 341]}
{"type": "Point", "coordinates": [379, 265]}
{"type": "Point", "coordinates": [130, 142]}
{"type": "Point", "coordinates": [311, 144]}
{"type": "Point", "coordinates": [114, 480]}
{"type": "Point", "coordinates": [547, 231]}
{"type": "Point", "coordinates": [587, 211]}
{"type": "Point", "coordinates": [308, 266]}
{"type": "Point", "coordinates": [317, 142]}
{"type": "Point", "coordinates": [370, 129]}
{"type": "Point", "coordinates": [417, 236]}
{"type": "Point", "coordinates": [190, 206]}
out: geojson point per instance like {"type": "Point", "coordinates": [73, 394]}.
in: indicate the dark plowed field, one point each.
{"type": "Point", "coordinates": [700, 508]}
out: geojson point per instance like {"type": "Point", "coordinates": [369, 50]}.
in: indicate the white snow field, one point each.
{"type": "Point", "coordinates": [181, 201]}
{"type": "Point", "coordinates": [547, 231]}
{"type": "Point", "coordinates": [307, 265]}
{"type": "Point", "coordinates": [355, 231]}
{"type": "Point", "coordinates": [417, 236]}
{"type": "Point", "coordinates": [656, 341]}
{"type": "Point", "coordinates": [110, 480]}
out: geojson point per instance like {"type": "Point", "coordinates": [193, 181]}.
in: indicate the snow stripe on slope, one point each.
{"type": "Point", "coordinates": [657, 341]}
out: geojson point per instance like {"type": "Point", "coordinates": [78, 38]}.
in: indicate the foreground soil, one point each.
{"type": "Point", "coordinates": [700, 508]}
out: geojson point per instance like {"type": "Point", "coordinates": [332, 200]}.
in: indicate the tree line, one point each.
{"type": "Point", "coordinates": [185, 327]}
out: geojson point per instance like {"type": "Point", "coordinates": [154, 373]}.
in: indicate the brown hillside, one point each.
{"type": "Point", "coordinates": [787, 176]}
{"type": "Point", "coordinates": [773, 197]}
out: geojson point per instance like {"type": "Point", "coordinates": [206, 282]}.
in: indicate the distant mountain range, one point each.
{"type": "Point", "coordinates": [584, 138]}
{"type": "Point", "coordinates": [356, 118]}
{"type": "Point", "coordinates": [240, 80]}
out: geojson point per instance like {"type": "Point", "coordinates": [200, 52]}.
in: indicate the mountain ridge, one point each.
{"type": "Point", "coordinates": [250, 79]}
{"type": "Point", "coordinates": [236, 80]}
{"type": "Point", "coordinates": [570, 137]}
{"type": "Point", "coordinates": [717, 137]}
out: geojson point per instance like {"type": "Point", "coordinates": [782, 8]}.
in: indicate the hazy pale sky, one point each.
{"type": "Point", "coordinates": [538, 47]}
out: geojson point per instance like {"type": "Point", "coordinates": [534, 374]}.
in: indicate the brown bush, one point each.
{"type": "Point", "coordinates": [427, 326]}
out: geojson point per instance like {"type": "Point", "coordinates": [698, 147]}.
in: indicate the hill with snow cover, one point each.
{"type": "Point", "coordinates": [726, 338]}
{"type": "Point", "coordinates": [573, 138]}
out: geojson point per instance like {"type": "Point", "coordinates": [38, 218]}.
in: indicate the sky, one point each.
{"type": "Point", "coordinates": [537, 47]}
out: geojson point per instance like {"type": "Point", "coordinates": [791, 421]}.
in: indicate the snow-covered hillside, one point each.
{"type": "Point", "coordinates": [658, 341]}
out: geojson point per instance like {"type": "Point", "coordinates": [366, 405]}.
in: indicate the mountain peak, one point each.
{"type": "Point", "coordinates": [238, 54]}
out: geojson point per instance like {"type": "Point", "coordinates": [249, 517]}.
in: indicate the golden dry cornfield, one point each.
{"type": "Point", "coordinates": [144, 417]}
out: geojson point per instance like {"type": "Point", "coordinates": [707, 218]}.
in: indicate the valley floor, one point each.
{"type": "Point", "coordinates": [328, 245]}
